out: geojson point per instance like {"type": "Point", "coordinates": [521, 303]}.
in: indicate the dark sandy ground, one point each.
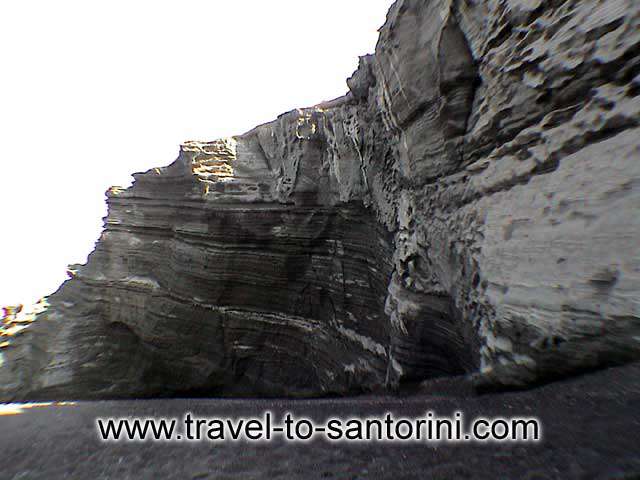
{"type": "Point", "coordinates": [591, 430]}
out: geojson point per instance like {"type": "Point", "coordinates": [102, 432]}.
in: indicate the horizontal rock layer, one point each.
{"type": "Point", "coordinates": [469, 206]}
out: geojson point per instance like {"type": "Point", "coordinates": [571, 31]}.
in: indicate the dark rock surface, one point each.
{"type": "Point", "coordinates": [591, 430]}
{"type": "Point", "coordinates": [470, 206]}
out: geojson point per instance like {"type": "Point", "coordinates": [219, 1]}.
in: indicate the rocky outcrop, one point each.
{"type": "Point", "coordinates": [469, 206]}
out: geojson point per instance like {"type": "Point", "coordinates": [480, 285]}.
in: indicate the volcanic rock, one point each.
{"type": "Point", "coordinates": [470, 206]}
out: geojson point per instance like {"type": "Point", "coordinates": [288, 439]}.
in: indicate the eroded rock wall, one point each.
{"type": "Point", "coordinates": [471, 205]}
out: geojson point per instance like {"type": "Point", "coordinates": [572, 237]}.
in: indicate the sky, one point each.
{"type": "Point", "coordinates": [91, 92]}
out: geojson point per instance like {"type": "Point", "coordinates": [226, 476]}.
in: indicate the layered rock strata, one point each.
{"type": "Point", "coordinates": [471, 205]}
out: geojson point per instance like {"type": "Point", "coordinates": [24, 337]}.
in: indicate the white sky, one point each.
{"type": "Point", "coordinates": [91, 92]}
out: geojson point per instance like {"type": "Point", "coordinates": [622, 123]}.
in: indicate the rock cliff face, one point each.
{"type": "Point", "coordinates": [471, 205]}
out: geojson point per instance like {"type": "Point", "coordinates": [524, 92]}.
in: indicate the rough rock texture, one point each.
{"type": "Point", "coordinates": [470, 206]}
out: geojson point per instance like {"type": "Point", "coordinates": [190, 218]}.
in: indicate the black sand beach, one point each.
{"type": "Point", "coordinates": [591, 429]}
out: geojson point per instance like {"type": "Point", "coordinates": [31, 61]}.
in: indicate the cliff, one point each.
{"type": "Point", "coordinates": [470, 206]}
